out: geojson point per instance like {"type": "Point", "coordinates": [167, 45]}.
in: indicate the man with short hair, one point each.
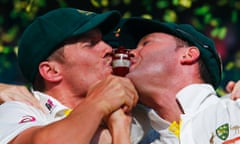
{"type": "Point", "coordinates": [175, 70]}
{"type": "Point", "coordinates": [63, 55]}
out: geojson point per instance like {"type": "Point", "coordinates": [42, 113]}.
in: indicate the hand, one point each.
{"type": "Point", "coordinates": [17, 93]}
{"type": "Point", "coordinates": [113, 93]}
{"type": "Point", "coordinates": [119, 124]}
{"type": "Point", "coordinates": [116, 129]}
{"type": "Point", "coordinates": [234, 89]}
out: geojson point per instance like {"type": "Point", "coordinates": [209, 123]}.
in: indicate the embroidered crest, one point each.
{"type": "Point", "coordinates": [117, 32]}
{"type": "Point", "coordinates": [223, 131]}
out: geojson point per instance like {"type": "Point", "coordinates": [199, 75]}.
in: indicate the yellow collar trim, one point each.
{"type": "Point", "coordinates": [67, 112]}
{"type": "Point", "coordinates": [175, 128]}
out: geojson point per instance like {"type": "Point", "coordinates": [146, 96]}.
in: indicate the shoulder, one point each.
{"type": "Point", "coordinates": [14, 107]}
{"type": "Point", "coordinates": [16, 117]}
{"type": "Point", "coordinates": [14, 112]}
{"type": "Point", "coordinates": [221, 111]}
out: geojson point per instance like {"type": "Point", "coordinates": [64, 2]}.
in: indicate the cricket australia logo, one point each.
{"type": "Point", "coordinates": [223, 131]}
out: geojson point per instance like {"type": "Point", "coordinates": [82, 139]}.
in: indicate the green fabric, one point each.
{"type": "Point", "coordinates": [115, 40]}
{"type": "Point", "coordinates": [47, 32]}
{"type": "Point", "coordinates": [138, 27]}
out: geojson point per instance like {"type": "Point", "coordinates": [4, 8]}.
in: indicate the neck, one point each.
{"type": "Point", "coordinates": [67, 98]}
{"type": "Point", "coordinates": [164, 102]}
{"type": "Point", "coordinates": [171, 113]}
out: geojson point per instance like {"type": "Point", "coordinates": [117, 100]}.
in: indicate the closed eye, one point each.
{"type": "Point", "coordinates": [90, 43]}
{"type": "Point", "coordinates": [146, 42]}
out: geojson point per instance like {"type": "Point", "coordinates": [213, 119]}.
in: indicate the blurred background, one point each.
{"type": "Point", "coordinates": [218, 19]}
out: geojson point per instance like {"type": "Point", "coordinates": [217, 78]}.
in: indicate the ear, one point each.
{"type": "Point", "coordinates": [50, 71]}
{"type": "Point", "coordinates": [190, 55]}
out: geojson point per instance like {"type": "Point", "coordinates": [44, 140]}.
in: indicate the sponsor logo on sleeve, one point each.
{"type": "Point", "coordinates": [26, 119]}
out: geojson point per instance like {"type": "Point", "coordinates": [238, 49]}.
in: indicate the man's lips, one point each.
{"type": "Point", "coordinates": [133, 63]}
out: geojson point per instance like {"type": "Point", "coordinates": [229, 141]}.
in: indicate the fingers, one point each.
{"type": "Point", "coordinates": [118, 118]}
{"type": "Point", "coordinates": [114, 93]}
{"type": "Point", "coordinates": [119, 124]}
{"type": "Point", "coordinates": [129, 93]}
{"type": "Point", "coordinates": [130, 100]}
{"type": "Point", "coordinates": [132, 91]}
{"type": "Point", "coordinates": [230, 86]}
{"type": "Point", "coordinates": [235, 94]}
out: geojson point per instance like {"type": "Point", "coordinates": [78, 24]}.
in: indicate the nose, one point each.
{"type": "Point", "coordinates": [133, 53]}
{"type": "Point", "coordinates": [107, 47]}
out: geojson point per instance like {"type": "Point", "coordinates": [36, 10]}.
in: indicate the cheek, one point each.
{"type": "Point", "coordinates": [152, 66]}
{"type": "Point", "coordinates": [81, 72]}
{"type": "Point", "coordinates": [153, 59]}
{"type": "Point", "coordinates": [153, 62]}
{"type": "Point", "coordinates": [93, 67]}
{"type": "Point", "coordinates": [81, 64]}
{"type": "Point", "coordinates": [87, 59]}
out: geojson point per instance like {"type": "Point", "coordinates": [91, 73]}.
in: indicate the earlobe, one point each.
{"type": "Point", "coordinates": [50, 71]}
{"type": "Point", "coordinates": [190, 56]}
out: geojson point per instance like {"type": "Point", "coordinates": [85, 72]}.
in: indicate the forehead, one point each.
{"type": "Point", "coordinates": [92, 33]}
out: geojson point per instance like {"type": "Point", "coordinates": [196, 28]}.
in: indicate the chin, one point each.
{"type": "Point", "coordinates": [107, 73]}
{"type": "Point", "coordinates": [131, 76]}
{"type": "Point", "coordinates": [136, 78]}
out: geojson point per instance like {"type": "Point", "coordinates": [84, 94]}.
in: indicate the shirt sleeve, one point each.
{"type": "Point", "coordinates": [17, 117]}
